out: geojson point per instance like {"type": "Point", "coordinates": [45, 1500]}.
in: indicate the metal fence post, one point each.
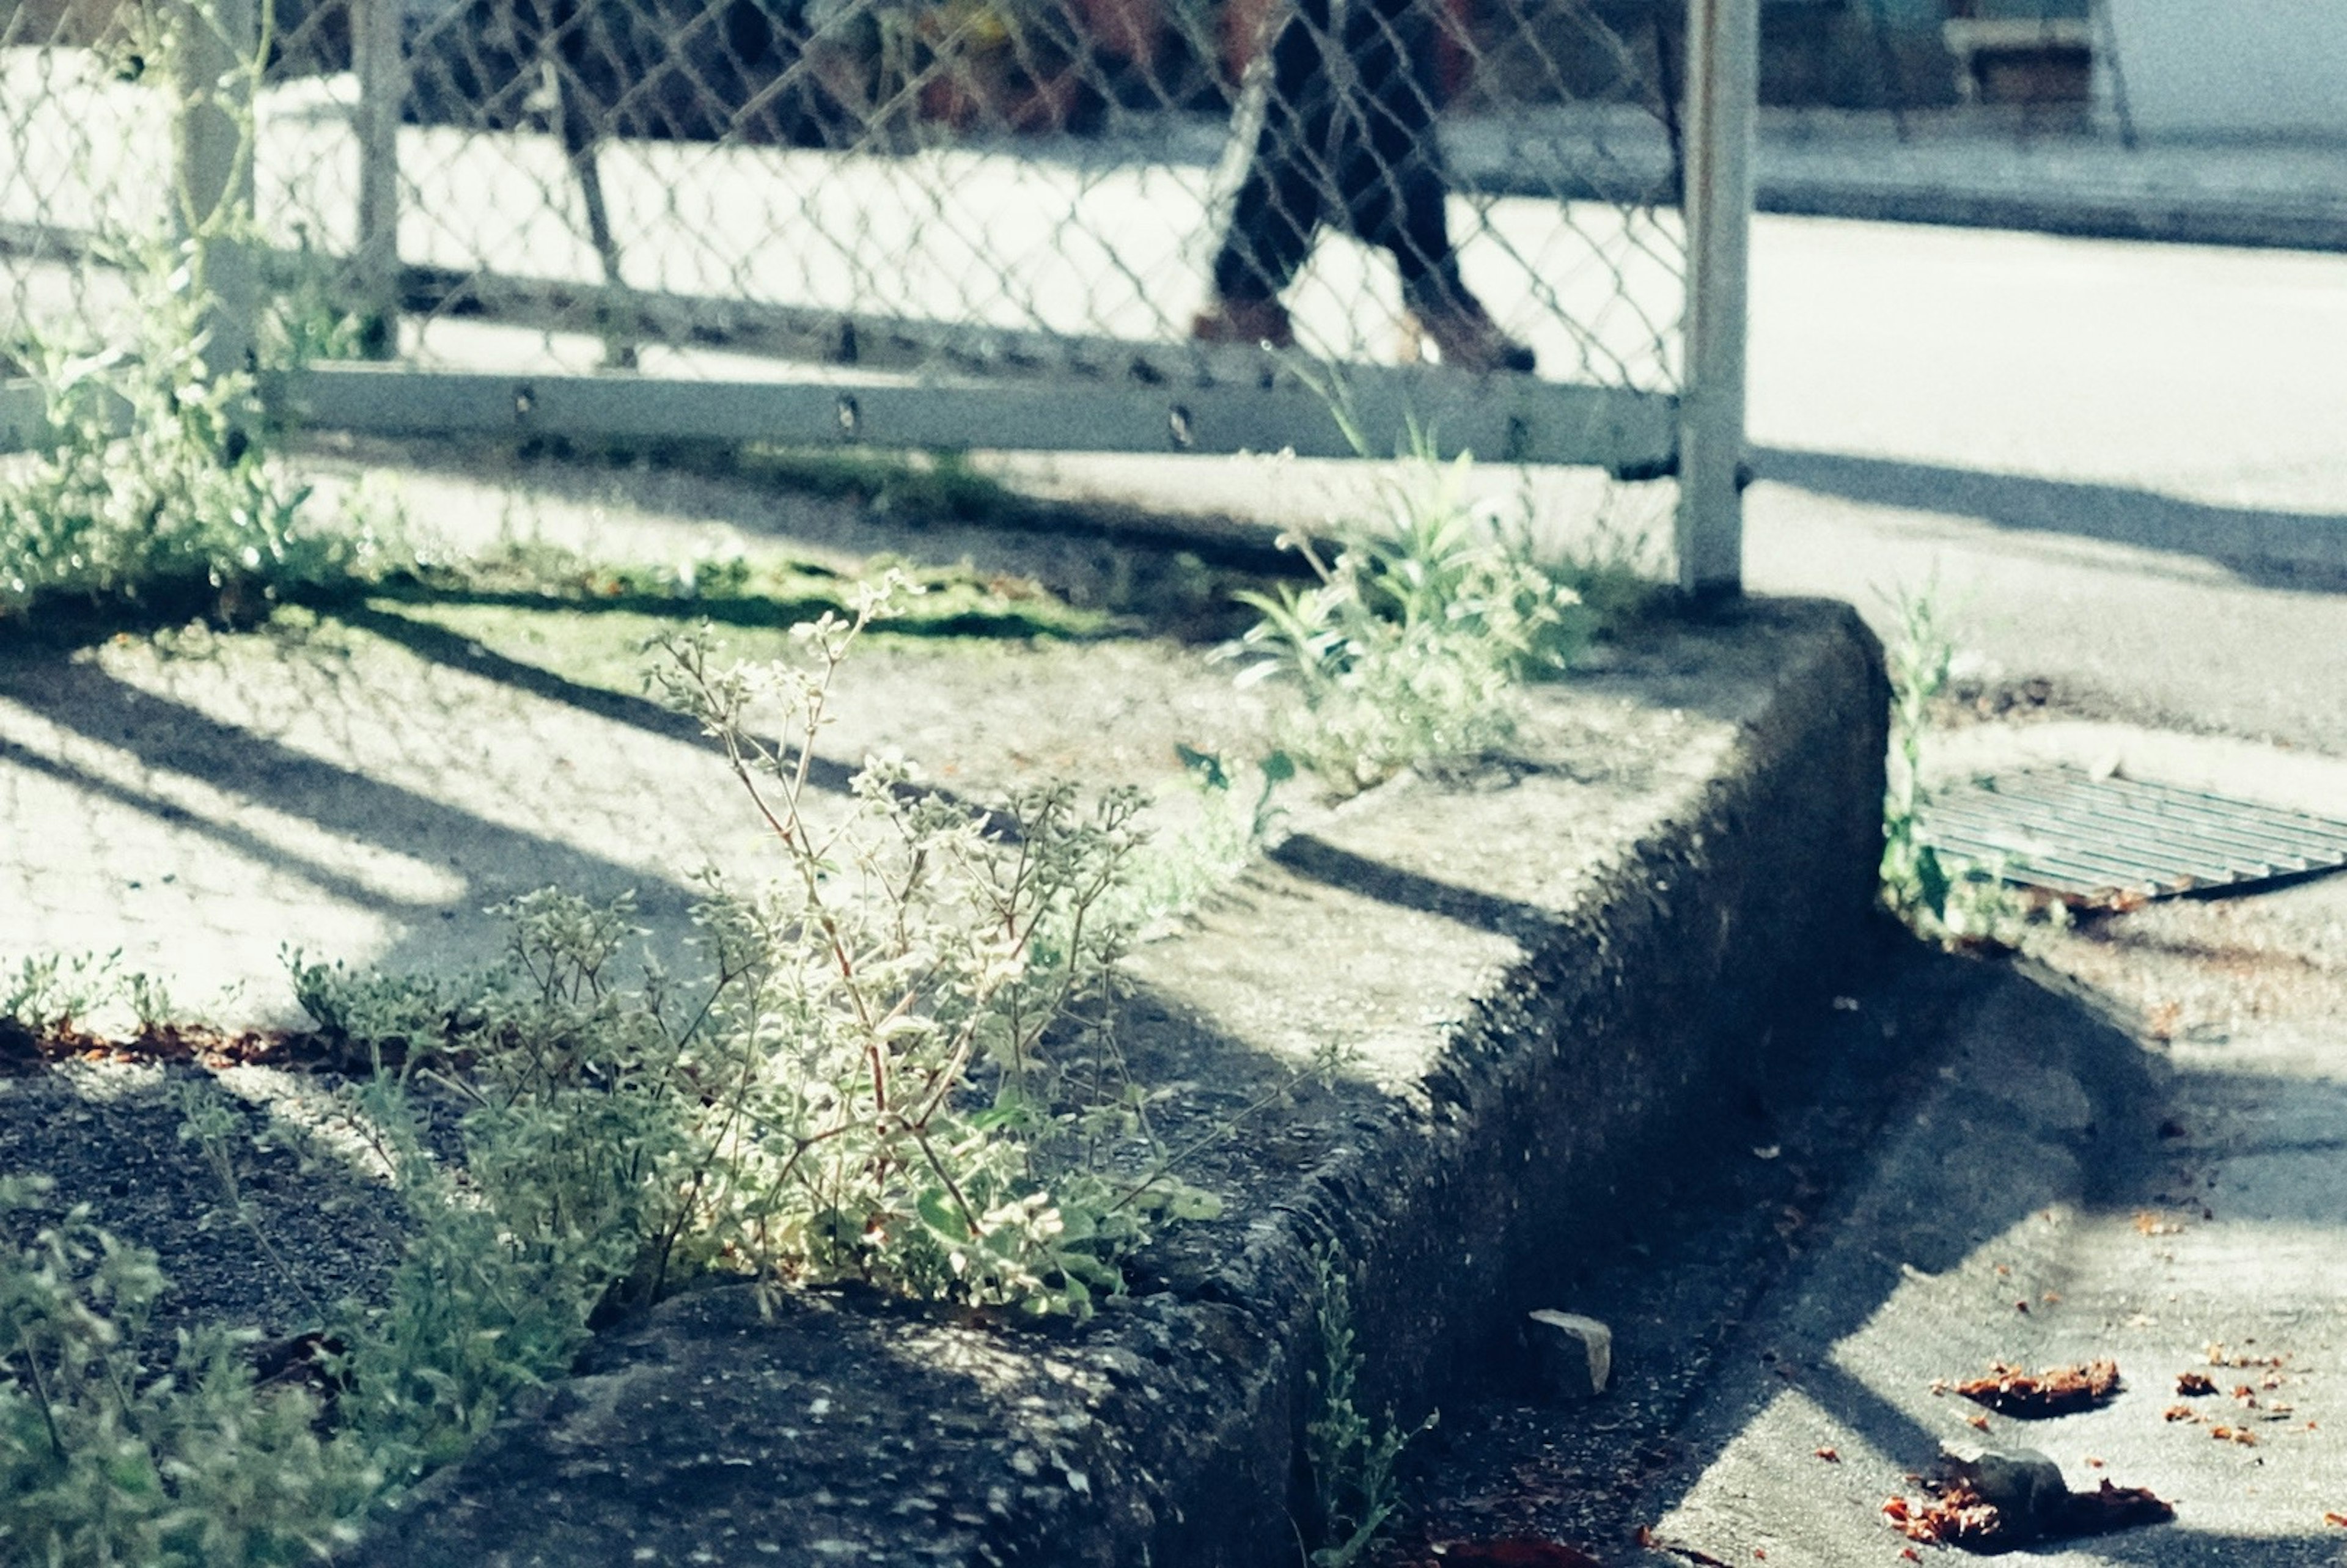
{"type": "Point", "coordinates": [212, 75]}
{"type": "Point", "coordinates": [383, 89]}
{"type": "Point", "coordinates": [1723, 93]}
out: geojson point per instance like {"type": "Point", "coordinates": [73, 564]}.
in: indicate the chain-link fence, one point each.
{"type": "Point", "coordinates": [1078, 212]}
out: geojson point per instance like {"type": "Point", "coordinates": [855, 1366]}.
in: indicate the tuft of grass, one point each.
{"type": "Point", "coordinates": [733, 590]}
{"type": "Point", "coordinates": [1412, 644]}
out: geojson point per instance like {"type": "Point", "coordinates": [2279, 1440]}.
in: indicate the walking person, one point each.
{"type": "Point", "coordinates": [1347, 138]}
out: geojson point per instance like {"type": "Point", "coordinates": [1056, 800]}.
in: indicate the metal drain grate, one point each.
{"type": "Point", "coordinates": [2114, 840]}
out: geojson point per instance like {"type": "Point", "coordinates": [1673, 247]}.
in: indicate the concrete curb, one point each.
{"type": "Point", "coordinates": [1546, 978]}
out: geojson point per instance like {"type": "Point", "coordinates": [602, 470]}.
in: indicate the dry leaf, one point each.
{"type": "Point", "coordinates": [2011, 1391]}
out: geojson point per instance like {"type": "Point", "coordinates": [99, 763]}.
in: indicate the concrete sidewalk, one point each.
{"type": "Point", "coordinates": [1973, 168]}
{"type": "Point", "coordinates": [2130, 1151]}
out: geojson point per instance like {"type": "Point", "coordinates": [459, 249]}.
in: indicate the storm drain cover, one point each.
{"type": "Point", "coordinates": [2114, 840]}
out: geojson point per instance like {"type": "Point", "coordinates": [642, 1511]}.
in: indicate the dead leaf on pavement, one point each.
{"type": "Point", "coordinates": [1952, 1514]}
{"type": "Point", "coordinates": [2192, 1385]}
{"type": "Point", "coordinates": [2012, 1391]}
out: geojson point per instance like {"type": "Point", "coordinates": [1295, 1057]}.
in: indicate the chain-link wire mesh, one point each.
{"type": "Point", "coordinates": [765, 190]}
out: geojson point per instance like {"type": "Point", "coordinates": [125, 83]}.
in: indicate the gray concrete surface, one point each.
{"type": "Point", "coordinates": [2120, 468]}
{"type": "Point", "coordinates": [2030, 1210]}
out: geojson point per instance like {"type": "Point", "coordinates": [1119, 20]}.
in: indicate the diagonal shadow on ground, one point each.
{"type": "Point", "coordinates": [169, 735]}
{"type": "Point", "coordinates": [2271, 549]}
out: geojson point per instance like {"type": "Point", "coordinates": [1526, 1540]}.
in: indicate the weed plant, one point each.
{"type": "Point", "coordinates": [1412, 644]}
{"type": "Point", "coordinates": [1941, 897]}
{"type": "Point", "coordinates": [112, 1455]}
{"type": "Point", "coordinates": [1233, 826]}
{"type": "Point", "coordinates": [897, 1067]}
{"type": "Point", "coordinates": [157, 488]}
{"type": "Point", "coordinates": [1350, 1456]}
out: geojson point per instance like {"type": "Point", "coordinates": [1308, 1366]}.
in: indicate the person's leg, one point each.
{"type": "Point", "coordinates": [1397, 189]}
{"type": "Point", "coordinates": [1282, 198]}
{"type": "Point", "coordinates": [1392, 177]}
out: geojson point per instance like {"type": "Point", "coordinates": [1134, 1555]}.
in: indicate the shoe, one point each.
{"type": "Point", "coordinates": [1465, 337]}
{"type": "Point", "coordinates": [1248, 321]}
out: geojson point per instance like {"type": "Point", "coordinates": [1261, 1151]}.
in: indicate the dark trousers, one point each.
{"type": "Point", "coordinates": [1347, 138]}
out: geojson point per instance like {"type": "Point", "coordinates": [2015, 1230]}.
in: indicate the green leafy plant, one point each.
{"type": "Point", "coordinates": [1410, 645]}
{"type": "Point", "coordinates": [110, 1455]}
{"type": "Point", "coordinates": [50, 993]}
{"type": "Point", "coordinates": [1350, 1456]}
{"type": "Point", "coordinates": [1942, 897]}
{"type": "Point", "coordinates": [157, 487]}
{"type": "Point", "coordinates": [1233, 825]}
{"type": "Point", "coordinates": [922, 960]}
{"type": "Point", "coordinates": [307, 317]}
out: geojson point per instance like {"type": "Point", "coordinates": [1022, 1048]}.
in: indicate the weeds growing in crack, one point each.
{"type": "Point", "coordinates": [1350, 1455]}
{"type": "Point", "coordinates": [1942, 897]}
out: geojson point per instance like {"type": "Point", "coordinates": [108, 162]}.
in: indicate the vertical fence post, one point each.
{"type": "Point", "coordinates": [382, 88]}
{"type": "Point", "coordinates": [1723, 94]}
{"type": "Point", "coordinates": [212, 74]}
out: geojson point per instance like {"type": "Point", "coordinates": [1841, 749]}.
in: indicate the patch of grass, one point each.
{"type": "Point", "coordinates": [734, 591]}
